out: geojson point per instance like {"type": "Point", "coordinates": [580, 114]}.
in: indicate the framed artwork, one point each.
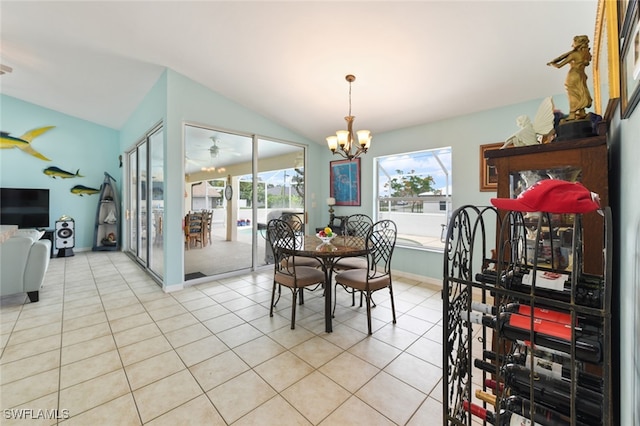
{"type": "Point", "coordinates": [344, 178]}
{"type": "Point", "coordinates": [488, 173]}
{"type": "Point", "coordinates": [606, 60]}
{"type": "Point", "coordinates": [630, 60]}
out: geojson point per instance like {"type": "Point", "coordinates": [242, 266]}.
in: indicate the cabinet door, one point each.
{"type": "Point", "coordinates": [583, 160]}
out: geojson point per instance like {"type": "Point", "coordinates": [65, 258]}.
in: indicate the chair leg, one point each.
{"type": "Point", "coordinates": [273, 297]}
{"type": "Point", "coordinates": [293, 309]}
{"type": "Point", "coordinates": [373, 303]}
{"type": "Point", "coordinates": [301, 301]}
{"type": "Point", "coordinates": [368, 300]}
{"type": "Point", "coordinates": [274, 303]}
{"type": "Point", "coordinates": [393, 305]}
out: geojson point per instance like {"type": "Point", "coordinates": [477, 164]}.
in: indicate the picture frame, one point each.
{"type": "Point", "coordinates": [606, 60]}
{"type": "Point", "coordinates": [630, 61]}
{"type": "Point", "coordinates": [488, 173]}
{"type": "Point", "coordinates": [623, 18]}
{"type": "Point", "coordinates": [344, 181]}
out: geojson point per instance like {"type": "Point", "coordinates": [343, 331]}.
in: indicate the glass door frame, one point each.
{"type": "Point", "coordinates": [256, 262]}
{"type": "Point", "coordinates": [139, 223]}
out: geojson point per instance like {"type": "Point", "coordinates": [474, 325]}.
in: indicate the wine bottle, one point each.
{"type": "Point", "coordinates": [547, 367]}
{"type": "Point", "coordinates": [519, 405]}
{"type": "Point", "coordinates": [486, 397]}
{"type": "Point", "coordinates": [492, 384]}
{"type": "Point", "coordinates": [504, 418]}
{"type": "Point", "coordinates": [553, 393]}
{"type": "Point", "coordinates": [589, 288]}
{"type": "Point", "coordinates": [522, 309]}
{"type": "Point", "coordinates": [546, 333]}
{"type": "Point", "coordinates": [543, 414]}
{"type": "Point", "coordinates": [522, 407]}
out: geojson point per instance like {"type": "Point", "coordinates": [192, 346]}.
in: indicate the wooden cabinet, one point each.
{"type": "Point", "coordinates": [584, 160]}
{"type": "Point", "coordinates": [107, 225]}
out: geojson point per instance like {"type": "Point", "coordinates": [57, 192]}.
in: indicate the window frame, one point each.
{"type": "Point", "coordinates": [437, 225]}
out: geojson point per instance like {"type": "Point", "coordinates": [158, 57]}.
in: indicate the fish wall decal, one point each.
{"type": "Point", "coordinates": [83, 190]}
{"type": "Point", "coordinates": [55, 172]}
{"type": "Point", "coordinates": [24, 142]}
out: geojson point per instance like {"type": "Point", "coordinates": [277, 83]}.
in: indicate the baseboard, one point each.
{"type": "Point", "coordinates": [172, 288]}
{"type": "Point", "coordinates": [421, 278]}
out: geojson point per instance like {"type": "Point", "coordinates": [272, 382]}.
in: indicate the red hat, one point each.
{"type": "Point", "coordinates": [552, 196]}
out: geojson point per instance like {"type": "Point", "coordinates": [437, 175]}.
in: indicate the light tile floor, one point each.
{"type": "Point", "coordinates": [106, 346]}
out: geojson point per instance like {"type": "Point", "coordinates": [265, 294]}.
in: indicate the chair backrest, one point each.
{"type": "Point", "coordinates": [337, 224]}
{"type": "Point", "coordinates": [207, 216]}
{"type": "Point", "coordinates": [194, 223]}
{"type": "Point", "coordinates": [282, 239]}
{"type": "Point", "coordinates": [294, 220]}
{"type": "Point", "coordinates": [381, 240]}
{"type": "Point", "coordinates": [358, 225]}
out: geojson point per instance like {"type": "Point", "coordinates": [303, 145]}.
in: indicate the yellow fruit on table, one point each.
{"type": "Point", "coordinates": [328, 231]}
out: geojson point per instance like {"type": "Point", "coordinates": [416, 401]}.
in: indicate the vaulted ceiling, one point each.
{"type": "Point", "coordinates": [415, 62]}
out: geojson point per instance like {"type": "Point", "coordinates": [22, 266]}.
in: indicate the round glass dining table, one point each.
{"type": "Point", "coordinates": [328, 253]}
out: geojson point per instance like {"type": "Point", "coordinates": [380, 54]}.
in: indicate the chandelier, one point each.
{"type": "Point", "coordinates": [343, 142]}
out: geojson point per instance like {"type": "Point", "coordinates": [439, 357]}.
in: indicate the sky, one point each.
{"type": "Point", "coordinates": [422, 162]}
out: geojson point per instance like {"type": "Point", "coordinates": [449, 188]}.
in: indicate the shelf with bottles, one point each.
{"type": "Point", "coordinates": [581, 160]}
{"type": "Point", "coordinates": [509, 314]}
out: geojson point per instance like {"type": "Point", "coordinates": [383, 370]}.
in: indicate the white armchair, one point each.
{"type": "Point", "coordinates": [24, 260]}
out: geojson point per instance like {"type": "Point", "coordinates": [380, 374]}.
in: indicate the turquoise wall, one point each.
{"type": "Point", "coordinates": [176, 100]}
{"type": "Point", "coordinates": [73, 144]}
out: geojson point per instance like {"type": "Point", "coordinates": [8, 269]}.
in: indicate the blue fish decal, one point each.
{"type": "Point", "coordinates": [55, 172]}
{"type": "Point", "coordinates": [83, 190]}
{"type": "Point", "coordinates": [24, 142]}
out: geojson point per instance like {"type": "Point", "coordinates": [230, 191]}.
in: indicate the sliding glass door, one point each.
{"type": "Point", "coordinates": [238, 182]}
{"type": "Point", "coordinates": [145, 202]}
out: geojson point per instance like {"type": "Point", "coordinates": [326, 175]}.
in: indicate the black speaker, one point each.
{"type": "Point", "coordinates": [65, 237]}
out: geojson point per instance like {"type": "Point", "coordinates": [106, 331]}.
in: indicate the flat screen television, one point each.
{"type": "Point", "coordinates": [25, 207]}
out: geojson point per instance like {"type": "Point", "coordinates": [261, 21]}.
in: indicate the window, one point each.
{"type": "Point", "coordinates": [414, 190]}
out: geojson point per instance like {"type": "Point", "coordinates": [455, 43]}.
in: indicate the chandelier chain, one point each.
{"type": "Point", "coordinates": [349, 98]}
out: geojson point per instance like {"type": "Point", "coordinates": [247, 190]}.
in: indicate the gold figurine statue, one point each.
{"type": "Point", "coordinates": [576, 82]}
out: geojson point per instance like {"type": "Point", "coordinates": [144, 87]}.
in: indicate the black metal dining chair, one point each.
{"type": "Point", "coordinates": [295, 221]}
{"type": "Point", "coordinates": [356, 225]}
{"type": "Point", "coordinates": [381, 241]}
{"type": "Point", "coordinates": [287, 271]}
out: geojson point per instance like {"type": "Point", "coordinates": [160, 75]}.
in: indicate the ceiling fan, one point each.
{"type": "Point", "coordinates": [214, 150]}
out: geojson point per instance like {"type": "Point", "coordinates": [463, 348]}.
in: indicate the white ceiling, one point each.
{"type": "Point", "coordinates": [415, 62]}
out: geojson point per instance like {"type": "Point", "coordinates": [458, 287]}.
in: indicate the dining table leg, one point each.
{"type": "Point", "coordinates": [327, 265]}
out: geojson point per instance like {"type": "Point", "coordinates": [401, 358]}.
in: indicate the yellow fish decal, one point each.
{"type": "Point", "coordinates": [55, 172]}
{"type": "Point", "coordinates": [83, 190]}
{"type": "Point", "coordinates": [24, 142]}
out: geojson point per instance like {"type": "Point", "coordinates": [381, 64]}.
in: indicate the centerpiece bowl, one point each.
{"type": "Point", "coordinates": [325, 239]}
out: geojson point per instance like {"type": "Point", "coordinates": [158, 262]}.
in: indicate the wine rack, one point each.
{"type": "Point", "coordinates": [523, 334]}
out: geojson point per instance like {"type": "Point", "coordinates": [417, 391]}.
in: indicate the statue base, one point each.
{"type": "Point", "coordinates": [575, 129]}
